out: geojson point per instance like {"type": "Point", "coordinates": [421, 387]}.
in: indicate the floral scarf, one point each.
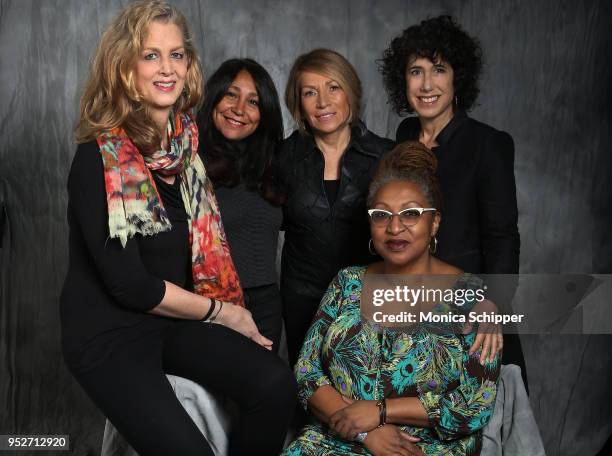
{"type": "Point", "coordinates": [134, 204]}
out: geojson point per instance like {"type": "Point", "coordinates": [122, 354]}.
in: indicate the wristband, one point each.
{"type": "Point", "coordinates": [213, 318]}
{"type": "Point", "coordinates": [211, 309]}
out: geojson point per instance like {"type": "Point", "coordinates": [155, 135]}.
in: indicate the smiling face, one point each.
{"type": "Point", "coordinates": [429, 88]}
{"type": "Point", "coordinates": [237, 115]}
{"type": "Point", "coordinates": [399, 245]}
{"type": "Point", "coordinates": [325, 105]}
{"type": "Point", "coordinates": [161, 69]}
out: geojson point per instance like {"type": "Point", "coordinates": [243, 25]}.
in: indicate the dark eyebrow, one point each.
{"type": "Point", "coordinates": [250, 94]}
{"type": "Point", "coordinates": [404, 205]}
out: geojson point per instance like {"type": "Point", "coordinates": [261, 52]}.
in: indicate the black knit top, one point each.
{"type": "Point", "coordinates": [251, 225]}
{"type": "Point", "coordinates": [109, 288]}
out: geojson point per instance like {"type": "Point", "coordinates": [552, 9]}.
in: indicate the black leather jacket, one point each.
{"type": "Point", "coordinates": [319, 239]}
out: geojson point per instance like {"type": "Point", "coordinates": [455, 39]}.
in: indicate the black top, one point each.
{"type": "Point", "coordinates": [478, 232]}
{"type": "Point", "coordinates": [108, 288]}
{"type": "Point", "coordinates": [251, 225]}
{"type": "Point", "coordinates": [321, 238]}
{"type": "Point", "coordinates": [331, 190]}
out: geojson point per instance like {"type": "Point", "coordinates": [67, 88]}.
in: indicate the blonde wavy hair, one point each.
{"type": "Point", "coordinates": [110, 98]}
{"type": "Point", "coordinates": [327, 63]}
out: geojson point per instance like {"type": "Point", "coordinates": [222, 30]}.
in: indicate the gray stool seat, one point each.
{"type": "Point", "coordinates": [205, 409]}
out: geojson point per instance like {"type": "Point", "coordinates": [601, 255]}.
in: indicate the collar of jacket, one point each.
{"type": "Point", "coordinates": [447, 132]}
{"type": "Point", "coordinates": [359, 133]}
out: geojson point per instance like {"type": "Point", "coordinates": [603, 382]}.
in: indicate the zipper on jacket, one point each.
{"type": "Point", "coordinates": [338, 194]}
{"type": "Point", "coordinates": [331, 206]}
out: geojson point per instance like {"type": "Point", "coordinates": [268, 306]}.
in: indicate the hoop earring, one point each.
{"type": "Point", "coordinates": [371, 248]}
{"type": "Point", "coordinates": [456, 101]}
{"type": "Point", "coordinates": [435, 245]}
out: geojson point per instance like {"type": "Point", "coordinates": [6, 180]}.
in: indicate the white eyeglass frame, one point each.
{"type": "Point", "coordinates": [420, 210]}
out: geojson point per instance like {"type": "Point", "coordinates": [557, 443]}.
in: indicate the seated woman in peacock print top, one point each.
{"type": "Point", "coordinates": [388, 391]}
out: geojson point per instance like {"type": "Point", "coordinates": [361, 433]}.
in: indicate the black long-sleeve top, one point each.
{"type": "Point", "coordinates": [478, 232]}
{"type": "Point", "coordinates": [108, 288]}
{"type": "Point", "coordinates": [251, 225]}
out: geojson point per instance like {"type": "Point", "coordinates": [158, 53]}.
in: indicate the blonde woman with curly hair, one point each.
{"type": "Point", "coordinates": [150, 270]}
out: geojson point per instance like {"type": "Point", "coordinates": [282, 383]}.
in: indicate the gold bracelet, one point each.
{"type": "Point", "coordinates": [382, 412]}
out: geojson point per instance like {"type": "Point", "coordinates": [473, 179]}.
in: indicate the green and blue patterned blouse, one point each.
{"type": "Point", "coordinates": [367, 362]}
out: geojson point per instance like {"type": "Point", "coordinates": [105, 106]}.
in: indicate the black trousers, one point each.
{"type": "Point", "coordinates": [131, 389]}
{"type": "Point", "coordinates": [265, 305]}
{"type": "Point", "coordinates": [298, 312]}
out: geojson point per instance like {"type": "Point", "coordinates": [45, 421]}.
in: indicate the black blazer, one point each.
{"type": "Point", "coordinates": [478, 232]}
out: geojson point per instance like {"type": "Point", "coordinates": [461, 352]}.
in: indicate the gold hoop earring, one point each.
{"type": "Point", "coordinates": [435, 245]}
{"type": "Point", "coordinates": [371, 248]}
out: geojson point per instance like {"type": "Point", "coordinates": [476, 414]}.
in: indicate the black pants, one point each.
{"type": "Point", "coordinates": [266, 307]}
{"type": "Point", "coordinates": [298, 312]}
{"type": "Point", "coordinates": [131, 389]}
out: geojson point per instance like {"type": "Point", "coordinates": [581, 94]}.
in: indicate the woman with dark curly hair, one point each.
{"type": "Point", "coordinates": [432, 69]}
{"type": "Point", "coordinates": [241, 126]}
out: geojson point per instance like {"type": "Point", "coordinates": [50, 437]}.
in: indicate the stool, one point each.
{"type": "Point", "coordinates": [205, 409]}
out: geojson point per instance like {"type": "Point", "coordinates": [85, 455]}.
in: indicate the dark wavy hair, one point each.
{"type": "Point", "coordinates": [249, 161]}
{"type": "Point", "coordinates": [439, 38]}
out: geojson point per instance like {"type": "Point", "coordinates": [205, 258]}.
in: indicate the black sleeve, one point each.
{"type": "Point", "coordinates": [121, 270]}
{"type": "Point", "coordinates": [279, 172]}
{"type": "Point", "coordinates": [498, 207]}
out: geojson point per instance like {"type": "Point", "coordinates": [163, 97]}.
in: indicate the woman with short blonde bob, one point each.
{"type": "Point", "coordinates": [150, 269]}
{"type": "Point", "coordinates": [325, 166]}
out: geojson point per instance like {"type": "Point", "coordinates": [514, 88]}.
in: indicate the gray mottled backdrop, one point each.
{"type": "Point", "coordinates": [546, 82]}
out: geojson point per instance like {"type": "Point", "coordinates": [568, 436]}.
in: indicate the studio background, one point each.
{"type": "Point", "coordinates": [546, 82]}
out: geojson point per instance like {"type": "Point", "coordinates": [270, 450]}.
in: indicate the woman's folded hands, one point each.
{"type": "Point", "coordinates": [363, 417]}
{"type": "Point", "coordinates": [356, 417]}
